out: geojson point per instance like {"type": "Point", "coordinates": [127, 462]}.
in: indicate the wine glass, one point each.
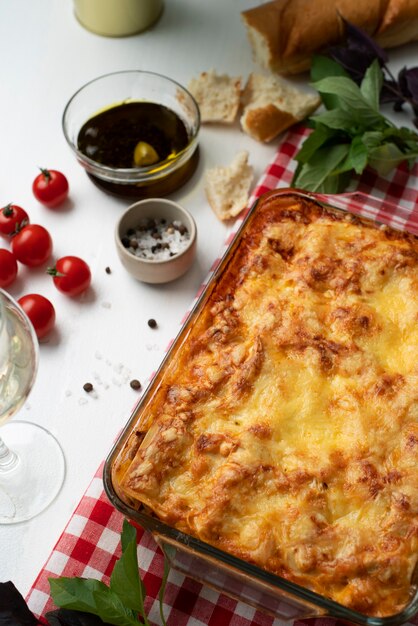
{"type": "Point", "coordinates": [32, 465]}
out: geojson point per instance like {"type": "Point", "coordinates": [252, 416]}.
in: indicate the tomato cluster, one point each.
{"type": "Point", "coordinates": [31, 245]}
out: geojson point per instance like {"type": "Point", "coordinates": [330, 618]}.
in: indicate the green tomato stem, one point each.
{"type": "Point", "coordinates": [52, 271]}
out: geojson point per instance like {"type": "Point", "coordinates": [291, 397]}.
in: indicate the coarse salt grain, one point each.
{"type": "Point", "coordinates": [157, 239]}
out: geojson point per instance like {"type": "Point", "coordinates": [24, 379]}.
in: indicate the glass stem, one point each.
{"type": "Point", "coordinates": [8, 459]}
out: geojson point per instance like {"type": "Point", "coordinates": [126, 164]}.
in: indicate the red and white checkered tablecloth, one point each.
{"type": "Point", "coordinates": [89, 545]}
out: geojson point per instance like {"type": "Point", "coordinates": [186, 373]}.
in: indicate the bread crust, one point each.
{"type": "Point", "coordinates": [284, 34]}
{"type": "Point", "coordinates": [271, 105]}
{"type": "Point", "coordinates": [265, 123]}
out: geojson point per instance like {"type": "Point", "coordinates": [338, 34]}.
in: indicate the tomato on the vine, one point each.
{"type": "Point", "coordinates": [40, 311]}
{"type": "Point", "coordinates": [8, 267]}
{"type": "Point", "coordinates": [71, 275]}
{"type": "Point", "coordinates": [12, 217]}
{"type": "Point", "coordinates": [32, 245]}
{"type": "Point", "coordinates": [50, 187]}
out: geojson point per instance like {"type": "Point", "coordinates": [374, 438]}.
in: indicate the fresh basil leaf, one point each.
{"type": "Point", "coordinates": [373, 138]}
{"type": "Point", "coordinates": [338, 119]}
{"type": "Point", "coordinates": [350, 99]}
{"type": "Point", "coordinates": [128, 535]}
{"type": "Point", "coordinates": [371, 85]}
{"type": "Point", "coordinates": [352, 83]}
{"type": "Point", "coordinates": [331, 184]}
{"type": "Point", "coordinates": [118, 604]}
{"type": "Point", "coordinates": [356, 158]}
{"type": "Point", "coordinates": [318, 176]}
{"type": "Point", "coordinates": [322, 67]}
{"type": "Point", "coordinates": [387, 156]}
{"type": "Point", "coordinates": [125, 580]}
{"type": "Point", "coordinates": [91, 596]}
{"type": "Point", "coordinates": [405, 134]}
{"type": "Point", "coordinates": [313, 142]}
{"type": "Point", "coordinates": [296, 174]}
{"type": "Point", "coordinates": [111, 609]}
{"type": "Point", "coordinates": [75, 593]}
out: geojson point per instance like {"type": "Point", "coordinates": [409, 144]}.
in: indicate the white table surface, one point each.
{"type": "Point", "coordinates": [103, 338]}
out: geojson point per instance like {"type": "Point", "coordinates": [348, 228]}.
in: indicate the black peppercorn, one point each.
{"type": "Point", "coordinates": [152, 323]}
{"type": "Point", "coordinates": [88, 387]}
{"type": "Point", "coordinates": [135, 384]}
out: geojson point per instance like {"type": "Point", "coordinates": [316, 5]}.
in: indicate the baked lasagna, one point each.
{"type": "Point", "coordinates": [284, 427]}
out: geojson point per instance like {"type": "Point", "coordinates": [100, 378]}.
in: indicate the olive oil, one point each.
{"type": "Point", "coordinates": [133, 134]}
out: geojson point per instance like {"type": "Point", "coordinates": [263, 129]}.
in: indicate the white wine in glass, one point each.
{"type": "Point", "coordinates": [32, 466]}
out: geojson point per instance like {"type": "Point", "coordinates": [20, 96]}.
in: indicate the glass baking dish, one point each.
{"type": "Point", "coordinates": [224, 572]}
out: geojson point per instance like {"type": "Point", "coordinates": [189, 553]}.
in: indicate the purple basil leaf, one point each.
{"type": "Point", "coordinates": [358, 39]}
{"type": "Point", "coordinates": [411, 77]}
{"type": "Point", "coordinates": [390, 93]}
{"type": "Point", "coordinates": [354, 62]}
{"type": "Point", "coordinates": [13, 608]}
{"type": "Point", "coordinates": [403, 84]}
{"type": "Point", "coordinates": [357, 53]}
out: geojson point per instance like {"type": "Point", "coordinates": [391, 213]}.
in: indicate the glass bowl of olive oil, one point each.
{"type": "Point", "coordinates": [134, 132]}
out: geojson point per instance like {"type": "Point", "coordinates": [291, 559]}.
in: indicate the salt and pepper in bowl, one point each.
{"type": "Point", "coordinates": [156, 240]}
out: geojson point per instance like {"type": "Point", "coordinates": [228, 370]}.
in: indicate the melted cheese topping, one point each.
{"type": "Point", "coordinates": [285, 430]}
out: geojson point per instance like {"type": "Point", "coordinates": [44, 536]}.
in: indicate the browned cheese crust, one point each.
{"type": "Point", "coordinates": [285, 430]}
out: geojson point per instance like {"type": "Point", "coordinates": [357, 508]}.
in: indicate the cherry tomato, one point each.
{"type": "Point", "coordinates": [50, 187]}
{"type": "Point", "coordinates": [40, 311]}
{"type": "Point", "coordinates": [12, 217]}
{"type": "Point", "coordinates": [8, 267]}
{"type": "Point", "coordinates": [71, 275]}
{"type": "Point", "coordinates": [32, 245]}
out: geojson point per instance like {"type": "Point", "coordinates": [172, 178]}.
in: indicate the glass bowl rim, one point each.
{"type": "Point", "coordinates": [149, 169]}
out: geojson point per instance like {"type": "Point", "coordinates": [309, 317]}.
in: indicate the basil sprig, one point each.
{"type": "Point", "coordinates": [352, 133]}
{"type": "Point", "coordinates": [123, 601]}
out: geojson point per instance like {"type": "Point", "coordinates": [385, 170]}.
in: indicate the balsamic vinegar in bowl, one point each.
{"type": "Point", "coordinates": [135, 133]}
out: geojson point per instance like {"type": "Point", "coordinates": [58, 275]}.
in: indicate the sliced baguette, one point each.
{"type": "Point", "coordinates": [284, 34]}
{"type": "Point", "coordinates": [270, 106]}
{"type": "Point", "coordinates": [227, 188]}
{"type": "Point", "coordinates": [218, 96]}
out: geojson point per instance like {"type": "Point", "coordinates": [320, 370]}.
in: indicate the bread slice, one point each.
{"type": "Point", "coordinates": [285, 34]}
{"type": "Point", "coordinates": [227, 188]}
{"type": "Point", "coordinates": [271, 105]}
{"type": "Point", "coordinates": [218, 96]}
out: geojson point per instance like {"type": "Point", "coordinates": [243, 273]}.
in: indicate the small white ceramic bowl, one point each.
{"type": "Point", "coordinates": [156, 269]}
